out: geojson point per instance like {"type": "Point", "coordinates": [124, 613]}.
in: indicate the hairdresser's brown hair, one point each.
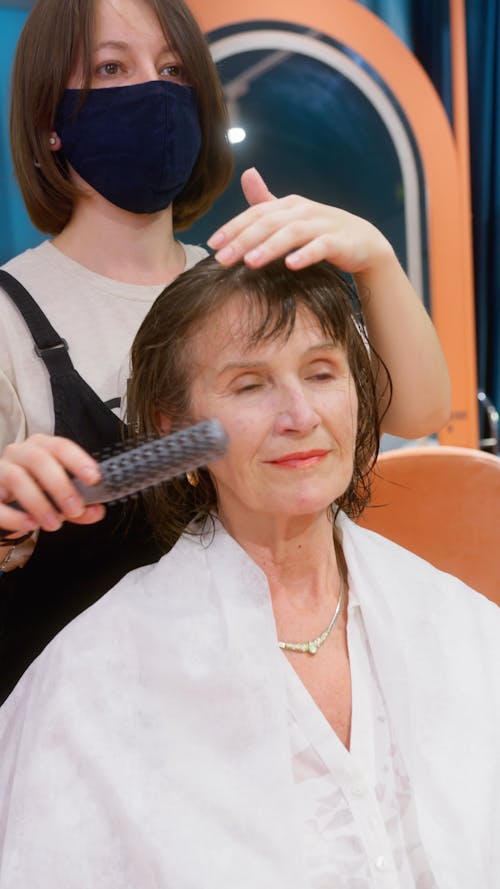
{"type": "Point", "coordinates": [162, 366]}
{"type": "Point", "coordinates": [56, 35]}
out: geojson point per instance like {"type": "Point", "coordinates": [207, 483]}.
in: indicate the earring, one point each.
{"type": "Point", "coordinates": [52, 140]}
{"type": "Point", "coordinates": [193, 478]}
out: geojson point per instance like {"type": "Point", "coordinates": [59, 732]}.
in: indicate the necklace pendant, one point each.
{"type": "Point", "coordinates": [313, 645]}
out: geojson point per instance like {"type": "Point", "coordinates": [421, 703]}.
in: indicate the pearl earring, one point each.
{"type": "Point", "coordinates": [52, 140]}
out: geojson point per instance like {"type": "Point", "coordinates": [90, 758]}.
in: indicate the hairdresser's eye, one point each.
{"type": "Point", "coordinates": [173, 72]}
{"type": "Point", "coordinates": [109, 69]}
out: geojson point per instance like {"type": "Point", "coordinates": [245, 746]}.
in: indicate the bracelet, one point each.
{"type": "Point", "coordinates": [10, 552]}
{"type": "Point", "coordinates": [14, 542]}
{"type": "Point", "coordinates": [6, 560]}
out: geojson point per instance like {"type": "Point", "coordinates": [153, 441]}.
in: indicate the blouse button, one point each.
{"type": "Point", "coordinates": [381, 863]}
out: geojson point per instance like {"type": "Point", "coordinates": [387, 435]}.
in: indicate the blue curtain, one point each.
{"type": "Point", "coordinates": [483, 37]}
{"type": "Point", "coordinates": [424, 27]}
{"type": "Point", "coordinates": [16, 231]}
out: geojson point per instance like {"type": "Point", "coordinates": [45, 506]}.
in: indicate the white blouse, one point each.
{"type": "Point", "coordinates": [149, 744]}
{"type": "Point", "coordinates": [356, 807]}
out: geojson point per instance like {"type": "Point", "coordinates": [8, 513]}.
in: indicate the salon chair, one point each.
{"type": "Point", "coordinates": [442, 503]}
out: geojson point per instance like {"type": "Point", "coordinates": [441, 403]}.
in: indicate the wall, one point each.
{"type": "Point", "coordinates": [16, 231]}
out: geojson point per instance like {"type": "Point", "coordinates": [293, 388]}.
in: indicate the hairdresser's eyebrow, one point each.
{"type": "Point", "coordinates": [120, 44]}
{"type": "Point", "coordinates": [111, 44]}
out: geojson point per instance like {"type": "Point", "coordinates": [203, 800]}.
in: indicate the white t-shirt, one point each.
{"type": "Point", "coordinates": [97, 316]}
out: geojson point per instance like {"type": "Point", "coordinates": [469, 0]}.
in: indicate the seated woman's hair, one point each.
{"type": "Point", "coordinates": [162, 365]}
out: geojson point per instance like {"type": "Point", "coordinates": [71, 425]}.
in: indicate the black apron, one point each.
{"type": "Point", "coordinates": [70, 568]}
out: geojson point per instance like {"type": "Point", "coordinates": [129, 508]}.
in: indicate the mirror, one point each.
{"type": "Point", "coordinates": [318, 121]}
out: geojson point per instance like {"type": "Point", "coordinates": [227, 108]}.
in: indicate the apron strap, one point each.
{"type": "Point", "coordinates": [49, 346]}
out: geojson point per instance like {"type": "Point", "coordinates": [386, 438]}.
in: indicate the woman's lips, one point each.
{"type": "Point", "coordinates": [300, 459]}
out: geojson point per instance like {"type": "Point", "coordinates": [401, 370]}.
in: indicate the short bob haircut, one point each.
{"type": "Point", "coordinates": [161, 366]}
{"type": "Point", "coordinates": [56, 36]}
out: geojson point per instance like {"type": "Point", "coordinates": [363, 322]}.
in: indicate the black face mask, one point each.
{"type": "Point", "coordinates": [135, 145]}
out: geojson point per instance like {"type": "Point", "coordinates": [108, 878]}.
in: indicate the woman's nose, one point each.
{"type": "Point", "coordinates": [296, 412]}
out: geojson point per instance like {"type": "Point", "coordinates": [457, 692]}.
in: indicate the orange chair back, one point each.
{"type": "Point", "coordinates": [443, 503]}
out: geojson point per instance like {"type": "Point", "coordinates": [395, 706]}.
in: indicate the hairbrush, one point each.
{"type": "Point", "coordinates": [155, 461]}
{"type": "Point", "coordinates": [151, 463]}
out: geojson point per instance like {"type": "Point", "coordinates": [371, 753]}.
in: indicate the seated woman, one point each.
{"type": "Point", "coordinates": [285, 699]}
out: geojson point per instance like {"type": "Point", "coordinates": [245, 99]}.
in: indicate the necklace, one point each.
{"type": "Point", "coordinates": [313, 645]}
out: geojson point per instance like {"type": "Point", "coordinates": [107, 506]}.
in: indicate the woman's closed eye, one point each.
{"type": "Point", "coordinates": [321, 372]}
{"type": "Point", "coordinates": [247, 383]}
{"type": "Point", "coordinates": [249, 387]}
{"type": "Point", "coordinates": [322, 376]}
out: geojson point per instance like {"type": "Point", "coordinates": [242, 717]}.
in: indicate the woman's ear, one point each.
{"type": "Point", "coordinates": [163, 422]}
{"type": "Point", "coordinates": [55, 143]}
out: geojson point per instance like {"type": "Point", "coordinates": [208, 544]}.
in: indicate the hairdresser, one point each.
{"type": "Point", "coordinates": [111, 176]}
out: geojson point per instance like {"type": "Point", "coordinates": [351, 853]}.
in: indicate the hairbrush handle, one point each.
{"type": "Point", "coordinates": [150, 463]}
{"type": "Point", "coordinates": [155, 461]}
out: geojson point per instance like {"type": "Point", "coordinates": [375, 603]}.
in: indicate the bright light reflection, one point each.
{"type": "Point", "coordinates": [236, 134]}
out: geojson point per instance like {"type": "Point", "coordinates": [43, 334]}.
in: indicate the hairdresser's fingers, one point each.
{"type": "Point", "coordinates": [339, 249]}
{"type": "Point", "coordinates": [257, 195]}
{"type": "Point", "coordinates": [351, 243]}
{"type": "Point", "coordinates": [254, 187]}
{"type": "Point", "coordinates": [291, 222]}
{"type": "Point", "coordinates": [305, 232]}
{"type": "Point", "coordinates": [90, 515]}
{"type": "Point", "coordinates": [277, 235]}
{"type": "Point", "coordinates": [43, 514]}
{"type": "Point", "coordinates": [252, 228]}
{"type": "Point", "coordinates": [14, 520]}
{"type": "Point", "coordinates": [238, 235]}
{"type": "Point", "coordinates": [19, 523]}
{"type": "Point", "coordinates": [35, 474]}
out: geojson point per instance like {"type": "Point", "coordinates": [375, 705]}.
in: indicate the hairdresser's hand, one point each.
{"type": "Point", "coordinates": [302, 230]}
{"type": "Point", "coordinates": [41, 464]}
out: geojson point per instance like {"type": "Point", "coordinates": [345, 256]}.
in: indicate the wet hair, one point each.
{"type": "Point", "coordinates": [57, 35]}
{"type": "Point", "coordinates": [162, 366]}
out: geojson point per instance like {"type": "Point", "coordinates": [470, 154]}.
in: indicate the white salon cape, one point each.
{"type": "Point", "coordinates": [148, 746]}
